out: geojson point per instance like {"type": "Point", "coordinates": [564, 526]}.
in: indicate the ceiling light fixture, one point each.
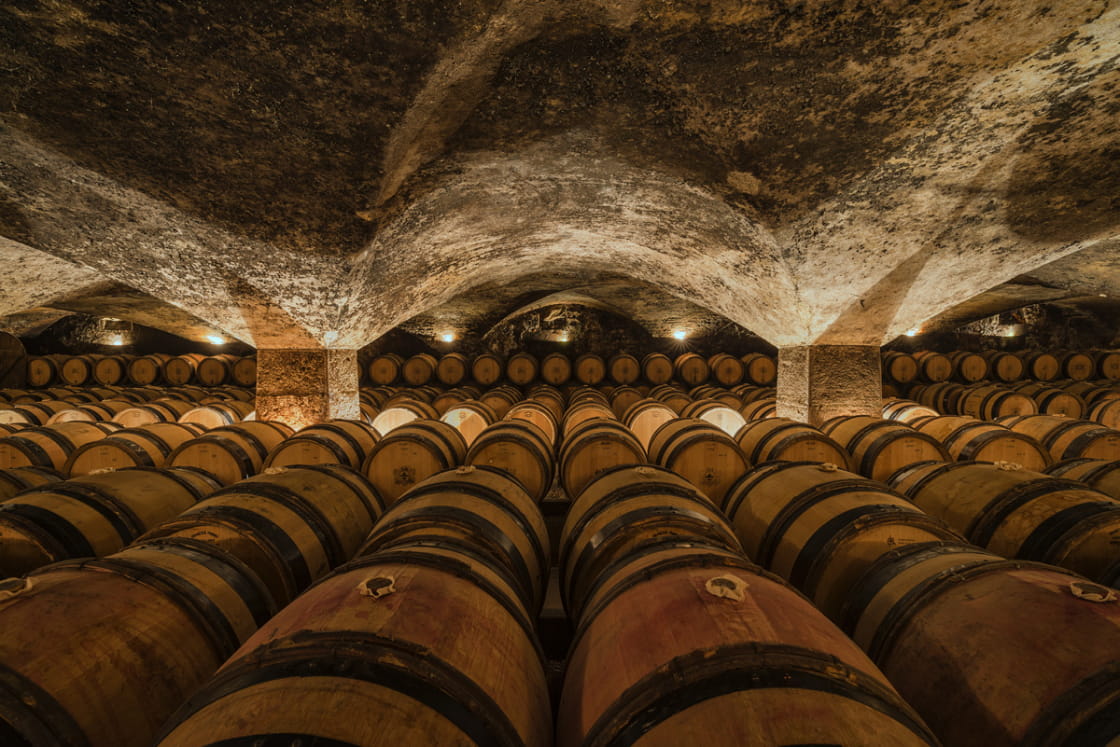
{"type": "Point", "coordinates": [447, 336]}
{"type": "Point", "coordinates": [679, 334]}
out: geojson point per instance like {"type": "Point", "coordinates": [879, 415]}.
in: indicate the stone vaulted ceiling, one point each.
{"type": "Point", "coordinates": [304, 174]}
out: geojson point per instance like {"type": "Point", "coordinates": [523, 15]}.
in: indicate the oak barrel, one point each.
{"type": "Point", "coordinates": [1040, 366]}
{"type": "Point", "coordinates": [93, 515]}
{"type": "Point", "coordinates": [759, 369]}
{"type": "Point", "coordinates": [14, 480]}
{"type": "Point", "coordinates": [1018, 513]}
{"type": "Point", "coordinates": [400, 413]}
{"type": "Point", "coordinates": [218, 414]}
{"type": "Point", "coordinates": [589, 369]}
{"type": "Point", "coordinates": [385, 369]}
{"type": "Point", "coordinates": [657, 368]}
{"type": "Point", "coordinates": [726, 369]}
{"type": "Point", "coordinates": [452, 369]}
{"type": "Point", "coordinates": [1004, 367]}
{"type": "Point", "coordinates": [719, 414]}
{"type": "Point", "coordinates": [522, 368]}
{"type": "Point", "coordinates": [1098, 474]}
{"type": "Point", "coordinates": [992, 653]}
{"type": "Point", "coordinates": [556, 369]}
{"type": "Point", "coordinates": [1052, 400]}
{"type": "Point", "coordinates": [691, 369]}
{"type": "Point", "coordinates": [624, 368]}
{"type": "Point", "coordinates": [539, 415]}
{"type": "Point", "coordinates": [146, 446]}
{"type": "Point", "coordinates": [879, 448]}
{"type": "Point", "coordinates": [694, 645]}
{"type": "Point", "coordinates": [232, 452]}
{"type": "Point", "coordinates": [898, 367]}
{"type": "Point", "coordinates": [291, 526]}
{"type": "Point", "coordinates": [131, 637]}
{"type": "Point", "coordinates": [345, 442]}
{"type": "Point", "coordinates": [592, 448]}
{"type": "Point", "coordinates": [968, 367]}
{"type": "Point", "coordinates": [49, 445]}
{"type": "Point", "coordinates": [968, 439]}
{"type": "Point", "coordinates": [1068, 439]}
{"type": "Point", "coordinates": [700, 453]}
{"type": "Point", "coordinates": [360, 659]}
{"type": "Point", "coordinates": [419, 369]}
{"type": "Point", "coordinates": [471, 418]}
{"type": "Point", "coordinates": [991, 402]}
{"type": "Point", "coordinates": [782, 439]}
{"type": "Point", "coordinates": [411, 454]}
{"type": "Point", "coordinates": [487, 369]}
{"type": "Point", "coordinates": [520, 449]}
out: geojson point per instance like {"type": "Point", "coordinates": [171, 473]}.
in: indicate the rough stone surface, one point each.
{"type": "Point", "coordinates": [818, 382]}
{"type": "Point", "coordinates": [314, 175]}
{"type": "Point", "coordinates": [301, 387]}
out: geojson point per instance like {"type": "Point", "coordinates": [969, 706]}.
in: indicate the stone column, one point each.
{"type": "Point", "coordinates": [305, 386]}
{"type": "Point", "coordinates": [818, 382]}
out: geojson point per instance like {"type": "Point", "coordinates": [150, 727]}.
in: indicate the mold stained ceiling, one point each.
{"type": "Point", "coordinates": [298, 174]}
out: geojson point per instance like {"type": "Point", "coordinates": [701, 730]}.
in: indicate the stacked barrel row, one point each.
{"type": "Point", "coordinates": [158, 617]}
{"type": "Point", "coordinates": [646, 568]}
{"type": "Point", "coordinates": [557, 369]}
{"type": "Point", "coordinates": [929, 367]}
{"type": "Point", "coordinates": [141, 370]}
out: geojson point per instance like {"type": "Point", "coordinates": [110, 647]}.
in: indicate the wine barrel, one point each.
{"type": "Point", "coordinates": [695, 645]}
{"type": "Point", "coordinates": [76, 370]}
{"type": "Point", "coordinates": [968, 367]}
{"type": "Point", "coordinates": [215, 370]}
{"type": "Point", "coordinates": [42, 370]}
{"type": "Point", "coordinates": [1004, 367]}
{"type": "Point", "coordinates": [645, 416]}
{"type": "Point", "coordinates": [145, 370]}
{"type": "Point", "coordinates": [452, 369]}
{"type": "Point", "coordinates": [385, 369]}
{"type": "Point", "coordinates": [539, 415]}
{"type": "Point", "coordinates": [1017, 513]}
{"type": "Point", "coordinates": [759, 409]}
{"type": "Point", "coordinates": [522, 368]}
{"type": "Point", "coordinates": [821, 528]}
{"type": "Point", "coordinates": [556, 369]}
{"type": "Point", "coordinates": [180, 370]}
{"type": "Point", "coordinates": [1077, 366]}
{"type": "Point", "coordinates": [785, 440]}
{"type": "Point", "coordinates": [365, 642]}
{"type": "Point", "coordinates": [218, 414]}
{"type": "Point", "coordinates": [581, 412]}
{"type": "Point", "coordinates": [17, 479]}
{"type": "Point", "coordinates": [419, 369]}
{"type": "Point", "coordinates": [672, 396]}
{"type": "Point", "coordinates": [700, 453]}
{"type": "Point", "coordinates": [623, 510]}
{"type": "Point", "coordinates": [933, 368]}
{"type": "Point", "coordinates": [91, 412]}
{"type": "Point", "coordinates": [991, 402]}
{"type": "Point", "coordinates": [719, 394]}
{"type": "Point", "coordinates": [1108, 364]}
{"type": "Point", "coordinates": [1107, 413]}
{"type": "Point", "coordinates": [967, 439]}
{"type": "Point", "coordinates": [657, 368]}
{"type": "Point", "coordinates": [153, 622]}
{"type": "Point", "coordinates": [245, 372]}
{"type": "Point", "coordinates": [521, 450]}
{"type": "Point", "coordinates": [726, 369]}
{"type": "Point", "coordinates": [590, 369]}
{"type": "Point", "coordinates": [759, 369]}
{"type": "Point", "coordinates": [890, 390]}
{"type": "Point", "coordinates": [481, 508]}
{"type": "Point", "coordinates": [500, 399]}
{"type": "Point", "coordinates": [346, 442]}
{"type": "Point", "coordinates": [166, 410]}
{"type": "Point", "coordinates": [1052, 400]}
{"type": "Point", "coordinates": [232, 452]}
{"type": "Point", "coordinates": [1093, 393]}
{"type": "Point", "coordinates": [691, 369]}
{"type": "Point", "coordinates": [943, 396]}
{"type": "Point", "coordinates": [1068, 439]}
{"type": "Point", "coordinates": [879, 448]}
{"type": "Point", "coordinates": [445, 401]}
{"type": "Point", "coordinates": [291, 526]}
{"type": "Point", "coordinates": [551, 397]}
{"type": "Point", "coordinates": [94, 515]}
{"type": "Point", "coordinates": [901, 368]}
{"type": "Point", "coordinates": [49, 445]}
{"type": "Point", "coordinates": [401, 413]}
{"type": "Point", "coordinates": [34, 413]}
{"type": "Point", "coordinates": [991, 652]}
{"type": "Point", "coordinates": [906, 410]}
{"type": "Point", "coordinates": [146, 446]}
{"type": "Point", "coordinates": [1098, 474]}
{"type": "Point", "coordinates": [110, 370]}
{"type": "Point", "coordinates": [727, 419]}
{"type": "Point", "coordinates": [622, 397]}
{"type": "Point", "coordinates": [624, 368]}
{"type": "Point", "coordinates": [1040, 366]}
{"type": "Point", "coordinates": [471, 418]}
{"type": "Point", "coordinates": [487, 369]}
{"type": "Point", "coordinates": [411, 454]}
{"type": "Point", "coordinates": [594, 447]}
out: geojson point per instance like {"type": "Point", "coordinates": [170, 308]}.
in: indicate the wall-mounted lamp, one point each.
{"type": "Point", "coordinates": [680, 334]}
{"type": "Point", "coordinates": [913, 332]}
{"type": "Point", "coordinates": [447, 336]}
{"type": "Point", "coordinates": [215, 340]}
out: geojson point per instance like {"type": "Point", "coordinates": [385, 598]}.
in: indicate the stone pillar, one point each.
{"type": "Point", "coordinates": [305, 386]}
{"type": "Point", "coordinates": [818, 382]}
